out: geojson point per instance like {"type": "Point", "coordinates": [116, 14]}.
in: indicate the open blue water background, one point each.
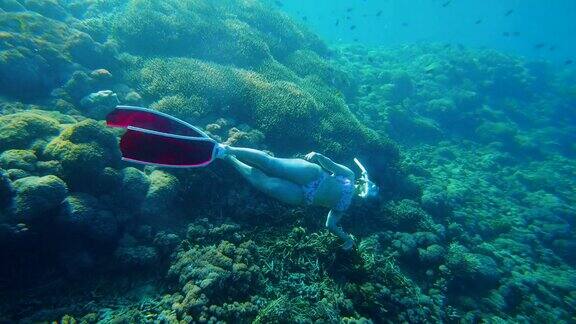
{"type": "Point", "coordinates": [550, 24]}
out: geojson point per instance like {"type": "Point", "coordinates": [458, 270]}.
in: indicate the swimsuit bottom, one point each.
{"type": "Point", "coordinates": [310, 189]}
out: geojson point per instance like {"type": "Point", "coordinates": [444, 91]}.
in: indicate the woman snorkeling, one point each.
{"type": "Point", "coordinates": [159, 139]}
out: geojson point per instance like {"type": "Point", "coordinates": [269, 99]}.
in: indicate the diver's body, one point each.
{"type": "Point", "coordinates": [315, 180]}
{"type": "Point", "coordinates": [155, 138]}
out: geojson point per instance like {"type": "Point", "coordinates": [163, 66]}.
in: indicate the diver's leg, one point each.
{"type": "Point", "coordinates": [298, 171]}
{"type": "Point", "coordinates": [280, 189]}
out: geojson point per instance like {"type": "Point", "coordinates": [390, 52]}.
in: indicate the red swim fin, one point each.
{"type": "Point", "coordinates": [168, 150]}
{"type": "Point", "coordinates": [124, 116]}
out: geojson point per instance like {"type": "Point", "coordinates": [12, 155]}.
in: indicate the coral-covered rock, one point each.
{"type": "Point", "coordinates": [37, 196]}
{"type": "Point", "coordinates": [99, 104]}
{"type": "Point", "coordinates": [84, 150]}
{"type": "Point", "coordinates": [83, 214]}
{"type": "Point", "coordinates": [133, 187]}
{"type": "Point", "coordinates": [161, 194]}
{"type": "Point", "coordinates": [20, 130]}
{"type": "Point", "coordinates": [6, 189]}
{"type": "Point", "coordinates": [18, 159]}
{"type": "Point", "coordinates": [47, 8]}
{"type": "Point", "coordinates": [11, 6]}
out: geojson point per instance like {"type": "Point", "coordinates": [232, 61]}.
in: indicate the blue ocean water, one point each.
{"type": "Point", "coordinates": [114, 209]}
{"type": "Point", "coordinates": [513, 26]}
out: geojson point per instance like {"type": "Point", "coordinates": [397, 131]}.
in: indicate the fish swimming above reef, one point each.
{"type": "Point", "coordinates": [352, 27]}
{"type": "Point", "coordinates": [478, 22]}
{"type": "Point", "coordinates": [509, 12]}
{"type": "Point", "coordinates": [539, 46]}
{"type": "Point", "coordinates": [447, 3]}
{"type": "Point", "coordinates": [379, 13]}
{"type": "Point", "coordinates": [568, 62]}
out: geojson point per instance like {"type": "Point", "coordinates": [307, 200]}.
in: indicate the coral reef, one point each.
{"type": "Point", "coordinates": [474, 222]}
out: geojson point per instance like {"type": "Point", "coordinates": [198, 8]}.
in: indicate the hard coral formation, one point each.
{"type": "Point", "coordinates": [21, 130]}
{"type": "Point", "coordinates": [214, 275]}
{"type": "Point", "coordinates": [36, 197]}
{"type": "Point", "coordinates": [84, 150]}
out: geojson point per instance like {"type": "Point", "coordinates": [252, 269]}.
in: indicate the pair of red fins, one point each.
{"type": "Point", "coordinates": [156, 138]}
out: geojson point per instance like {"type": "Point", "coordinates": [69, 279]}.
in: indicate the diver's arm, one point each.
{"type": "Point", "coordinates": [332, 224]}
{"type": "Point", "coordinates": [329, 165]}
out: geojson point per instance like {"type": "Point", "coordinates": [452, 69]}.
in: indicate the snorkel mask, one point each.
{"type": "Point", "coordinates": [367, 187]}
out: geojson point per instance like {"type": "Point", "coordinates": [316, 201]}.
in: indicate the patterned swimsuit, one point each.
{"type": "Point", "coordinates": [311, 189]}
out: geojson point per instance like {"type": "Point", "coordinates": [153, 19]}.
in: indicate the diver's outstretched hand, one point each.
{"type": "Point", "coordinates": [349, 244]}
{"type": "Point", "coordinates": [311, 156]}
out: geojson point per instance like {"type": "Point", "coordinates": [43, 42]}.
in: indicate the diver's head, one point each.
{"type": "Point", "coordinates": [364, 187]}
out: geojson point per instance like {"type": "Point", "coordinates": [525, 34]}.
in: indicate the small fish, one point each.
{"type": "Point", "coordinates": [509, 12]}
{"type": "Point", "coordinates": [478, 22]}
{"type": "Point", "coordinates": [506, 34]}
{"type": "Point", "coordinates": [404, 24]}
{"type": "Point", "coordinates": [364, 15]}
{"type": "Point", "coordinates": [447, 45]}
{"type": "Point", "coordinates": [552, 48]}
{"type": "Point", "coordinates": [461, 47]}
{"type": "Point", "coordinates": [539, 46]}
{"type": "Point", "coordinates": [352, 27]}
{"type": "Point", "coordinates": [348, 17]}
{"type": "Point", "coordinates": [279, 4]}
{"type": "Point", "coordinates": [516, 34]}
{"type": "Point", "coordinates": [355, 39]}
{"type": "Point", "coordinates": [337, 22]}
{"type": "Point", "coordinates": [379, 13]}
{"type": "Point", "coordinates": [304, 18]}
{"type": "Point", "coordinates": [568, 62]}
{"type": "Point", "coordinates": [349, 9]}
{"type": "Point", "coordinates": [446, 4]}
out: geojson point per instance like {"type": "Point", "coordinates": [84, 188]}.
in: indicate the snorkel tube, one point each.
{"type": "Point", "coordinates": [368, 188]}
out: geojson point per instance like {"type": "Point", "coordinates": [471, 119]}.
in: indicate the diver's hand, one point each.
{"type": "Point", "coordinates": [349, 244]}
{"type": "Point", "coordinates": [311, 156]}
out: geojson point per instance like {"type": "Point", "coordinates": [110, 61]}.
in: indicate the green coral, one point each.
{"type": "Point", "coordinates": [47, 8]}
{"type": "Point", "coordinates": [214, 275]}
{"type": "Point", "coordinates": [18, 159]}
{"type": "Point", "coordinates": [162, 193]}
{"type": "Point", "coordinates": [406, 216]}
{"type": "Point", "coordinates": [37, 196]}
{"type": "Point", "coordinates": [189, 109]}
{"type": "Point", "coordinates": [84, 150]}
{"type": "Point", "coordinates": [20, 130]}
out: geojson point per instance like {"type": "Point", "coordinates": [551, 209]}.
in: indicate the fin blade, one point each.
{"type": "Point", "coordinates": [160, 149]}
{"type": "Point", "coordinates": [124, 116]}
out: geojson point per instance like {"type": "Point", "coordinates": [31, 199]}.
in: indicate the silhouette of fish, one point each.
{"type": "Point", "coordinates": [447, 3]}
{"type": "Point", "coordinates": [506, 34]}
{"type": "Point", "coordinates": [279, 3]}
{"type": "Point", "coordinates": [379, 13]}
{"type": "Point", "coordinates": [552, 48]}
{"type": "Point", "coordinates": [404, 24]}
{"type": "Point", "coordinates": [509, 12]}
{"type": "Point", "coordinates": [337, 22]}
{"type": "Point", "coordinates": [352, 27]}
{"type": "Point", "coordinates": [516, 34]}
{"type": "Point", "coordinates": [568, 62]}
{"type": "Point", "coordinates": [304, 18]}
{"type": "Point", "coordinates": [349, 9]}
{"type": "Point", "coordinates": [478, 22]}
{"type": "Point", "coordinates": [539, 46]}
